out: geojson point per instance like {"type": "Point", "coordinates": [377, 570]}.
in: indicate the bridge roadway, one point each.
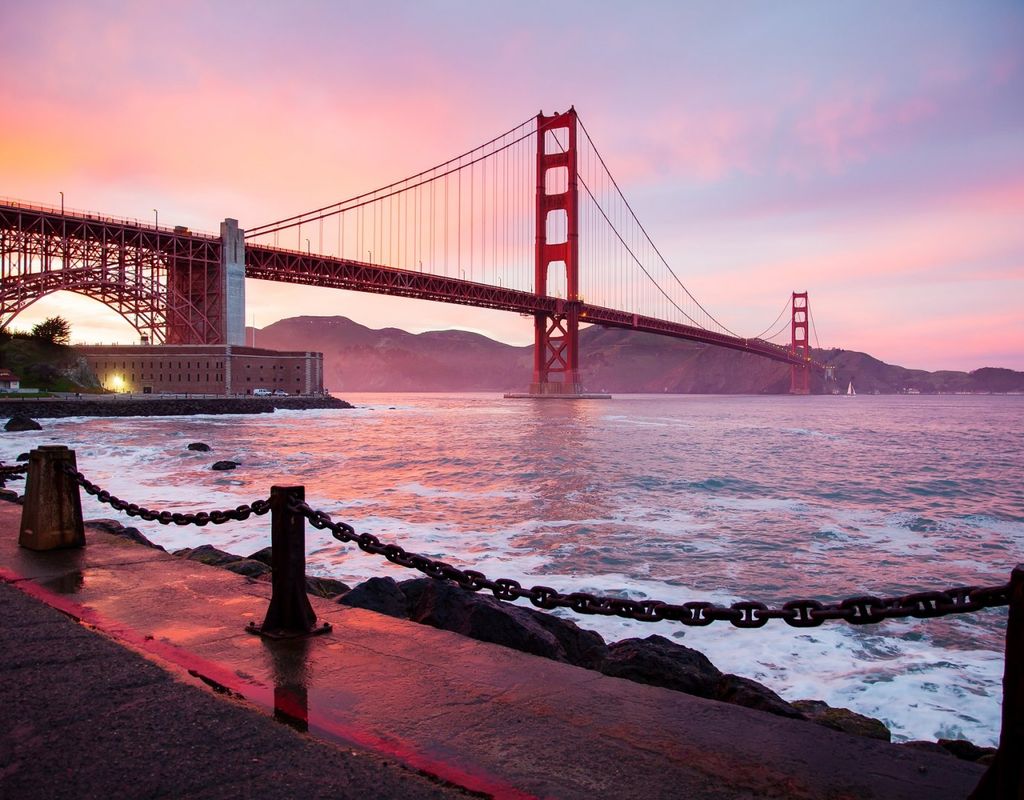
{"type": "Point", "coordinates": [393, 709]}
{"type": "Point", "coordinates": [292, 266]}
{"type": "Point", "coordinates": [48, 226]}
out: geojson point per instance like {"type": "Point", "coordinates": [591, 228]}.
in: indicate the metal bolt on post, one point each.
{"type": "Point", "coordinates": [290, 614]}
{"type": "Point", "coordinates": [51, 517]}
{"type": "Point", "coordinates": [1005, 775]}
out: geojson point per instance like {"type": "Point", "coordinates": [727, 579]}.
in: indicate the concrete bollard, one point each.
{"type": "Point", "coordinates": [51, 517]}
{"type": "Point", "coordinates": [1005, 775]}
{"type": "Point", "coordinates": [290, 614]}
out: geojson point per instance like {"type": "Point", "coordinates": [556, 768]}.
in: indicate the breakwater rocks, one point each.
{"type": "Point", "coordinates": [156, 406]}
{"type": "Point", "coordinates": [654, 660]}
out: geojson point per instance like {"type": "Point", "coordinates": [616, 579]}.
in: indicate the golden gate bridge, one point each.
{"type": "Point", "coordinates": [532, 221]}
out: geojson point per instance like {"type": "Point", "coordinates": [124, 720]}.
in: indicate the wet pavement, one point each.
{"type": "Point", "coordinates": [383, 707]}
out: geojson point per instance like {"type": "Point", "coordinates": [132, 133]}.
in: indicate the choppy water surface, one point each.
{"type": "Point", "coordinates": [674, 498]}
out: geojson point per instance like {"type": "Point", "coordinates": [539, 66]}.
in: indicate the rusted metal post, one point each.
{"type": "Point", "coordinates": [1005, 776]}
{"type": "Point", "coordinates": [290, 614]}
{"type": "Point", "coordinates": [52, 515]}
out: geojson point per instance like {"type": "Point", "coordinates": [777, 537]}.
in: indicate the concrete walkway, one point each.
{"type": "Point", "coordinates": [374, 693]}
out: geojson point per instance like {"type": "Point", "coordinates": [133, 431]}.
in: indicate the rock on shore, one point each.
{"type": "Point", "coordinates": [21, 422]}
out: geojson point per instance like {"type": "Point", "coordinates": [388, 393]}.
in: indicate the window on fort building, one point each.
{"type": "Point", "coordinates": [179, 365]}
{"type": "Point", "coordinates": [179, 377]}
{"type": "Point", "coordinates": [207, 364]}
{"type": "Point", "coordinates": [248, 379]}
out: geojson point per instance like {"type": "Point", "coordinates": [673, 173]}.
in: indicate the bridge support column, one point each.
{"type": "Point", "coordinates": [556, 352]}
{"type": "Point", "coordinates": [556, 335]}
{"type": "Point", "coordinates": [232, 261]}
{"type": "Point", "coordinates": [800, 377]}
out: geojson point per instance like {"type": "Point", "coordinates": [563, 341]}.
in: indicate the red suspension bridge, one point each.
{"type": "Point", "coordinates": [531, 222]}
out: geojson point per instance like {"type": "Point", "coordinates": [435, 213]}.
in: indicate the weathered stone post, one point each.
{"type": "Point", "coordinates": [1005, 776]}
{"type": "Point", "coordinates": [52, 515]}
{"type": "Point", "coordinates": [290, 614]}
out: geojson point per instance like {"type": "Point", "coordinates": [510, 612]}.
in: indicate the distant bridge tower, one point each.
{"type": "Point", "coordinates": [800, 376]}
{"type": "Point", "coordinates": [556, 335]}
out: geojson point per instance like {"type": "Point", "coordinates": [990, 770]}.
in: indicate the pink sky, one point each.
{"type": "Point", "coordinates": [870, 154]}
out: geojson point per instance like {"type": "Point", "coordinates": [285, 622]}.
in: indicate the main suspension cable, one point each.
{"type": "Point", "coordinates": [309, 215]}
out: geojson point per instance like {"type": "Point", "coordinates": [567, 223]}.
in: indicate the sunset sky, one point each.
{"type": "Point", "coordinates": [870, 153]}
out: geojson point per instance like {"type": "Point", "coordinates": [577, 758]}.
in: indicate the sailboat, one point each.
{"type": "Point", "coordinates": [850, 391]}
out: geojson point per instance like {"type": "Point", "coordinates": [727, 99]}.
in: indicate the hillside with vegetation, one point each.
{"type": "Point", "coordinates": [43, 358]}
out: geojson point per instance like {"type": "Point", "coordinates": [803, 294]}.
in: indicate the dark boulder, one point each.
{"type": "Point", "coordinates": [582, 647]}
{"type": "Point", "coordinates": [382, 595]}
{"type": "Point", "coordinates": [842, 719]}
{"type": "Point", "coordinates": [925, 746]}
{"type": "Point", "coordinates": [117, 529]}
{"type": "Point", "coordinates": [324, 587]}
{"type": "Point", "coordinates": [263, 555]}
{"type": "Point", "coordinates": [248, 567]}
{"type": "Point", "coordinates": [742, 691]}
{"type": "Point", "coordinates": [19, 422]}
{"type": "Point", "coordinates": [450, 608]}
{"type": "Point", "coordinates": [224, 465]}
{"type": "Point", "coordinates": [660, 662]}
{"type": "Point", "coordinates": [22, 457]}
{"type": "Point", "coordinates": [208, 554]}
{"type": "Point", "coordinates": [199, 447]}
{"type": "Point", "coordinates": [963, 749]}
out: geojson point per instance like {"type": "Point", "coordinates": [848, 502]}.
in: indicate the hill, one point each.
{"type": "Point", "coordinates": [357, 358]}
{"type": "Point", "coordinates": [45, 365]}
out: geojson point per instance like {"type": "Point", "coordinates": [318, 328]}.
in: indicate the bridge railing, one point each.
{"type": "Point", "coordinates": [95, 217]}
{"type": "Point", "coordinates": [52, 519]}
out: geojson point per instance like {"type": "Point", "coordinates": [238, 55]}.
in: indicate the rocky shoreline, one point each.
{"type": "Point", "coordinates": [156, 406]}
{"type": "Point", "coordinates": [654, 660]}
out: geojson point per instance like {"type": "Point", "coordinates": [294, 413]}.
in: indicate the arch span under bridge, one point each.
{"type": "Point", "coordinates": [530, 222]}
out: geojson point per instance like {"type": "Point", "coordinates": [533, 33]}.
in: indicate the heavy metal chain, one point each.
{"type": "Point", "coordinates": [14, 469]}
{"type": "Point", "coordinates": [802, 613]}
{"type": "Point", "coordinates": [12, 472]}
{"type": "Point", "coordinates": [239, 513]}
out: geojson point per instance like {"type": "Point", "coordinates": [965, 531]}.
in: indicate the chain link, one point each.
{"type": "Point", "coordinates": [201, 518]}
{"type": "Point", "coordinates": [803, 613]}
{"type": "Point", "coordinates": [14, 469]}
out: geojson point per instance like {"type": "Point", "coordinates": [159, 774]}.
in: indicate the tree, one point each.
{"type": "Point", "coordinates": [55, 330]}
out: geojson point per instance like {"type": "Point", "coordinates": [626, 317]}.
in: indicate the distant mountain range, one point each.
{"type": "Point", "coordinates": [360, 359]}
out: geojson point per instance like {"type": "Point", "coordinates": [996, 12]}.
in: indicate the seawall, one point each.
{"type": "Point", "coordinates": [157, 406]}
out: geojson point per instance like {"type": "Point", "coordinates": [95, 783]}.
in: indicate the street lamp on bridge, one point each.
{"type": "Point", "coordinates": [156, 214]}
{"type": "Point", "coordinates": [62, 203]}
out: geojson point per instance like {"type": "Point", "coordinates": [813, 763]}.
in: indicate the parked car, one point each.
{"type": "Point", "coordinates": [280, 393]}
{"type": "Point", "coordinates": [261, 393]}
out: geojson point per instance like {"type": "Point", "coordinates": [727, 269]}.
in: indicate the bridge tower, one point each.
{"type": "Point", "coordinates": [800, 377]}
{"type": "Point", "coordinates": [206, 295]}
{"type": "Point", "coordinates": [556, 335]}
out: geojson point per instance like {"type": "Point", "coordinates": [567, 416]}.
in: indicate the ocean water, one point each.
{"type": "Point", "coordinates": [676, 498]}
